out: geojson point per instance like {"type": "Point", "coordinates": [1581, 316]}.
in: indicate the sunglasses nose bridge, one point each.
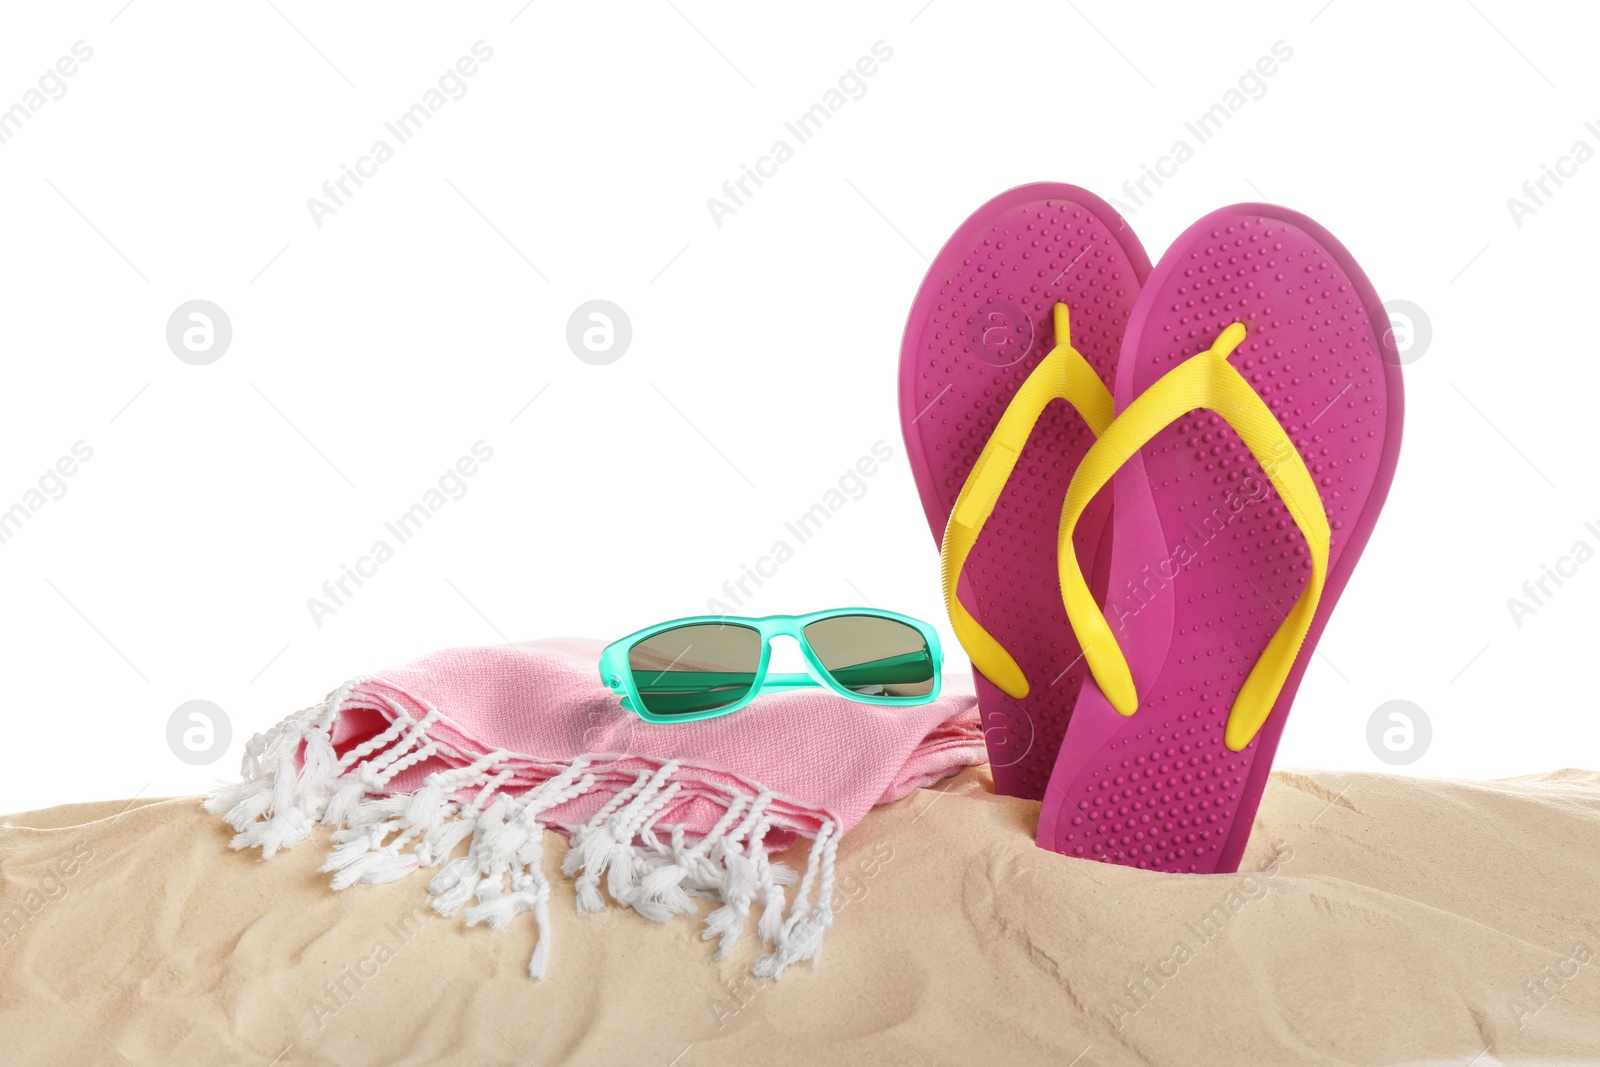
{"type": "Point", "coordinates": [785, 655]}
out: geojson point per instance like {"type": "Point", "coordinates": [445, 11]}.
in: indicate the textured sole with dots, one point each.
{"type": "Point", "coordinates": [1205, 560]}
{"type": "Point", "coordinates": [981, 322]}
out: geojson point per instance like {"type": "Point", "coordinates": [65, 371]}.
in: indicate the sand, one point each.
{"type": "Point", "coordinates": [1376, 920]}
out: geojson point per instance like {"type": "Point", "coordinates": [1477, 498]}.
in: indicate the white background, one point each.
{"type": "Point", "coordinates": [424, 315]}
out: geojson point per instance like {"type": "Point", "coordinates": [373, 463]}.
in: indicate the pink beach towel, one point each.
{"type": "Point", "coordinates": [499, 744]}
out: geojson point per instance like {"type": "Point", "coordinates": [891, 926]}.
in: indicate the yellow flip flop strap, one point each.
{"type": "Point", "coordinates": [1204, 381]}
{"type": "Point", "coordinates": [1062, 375]}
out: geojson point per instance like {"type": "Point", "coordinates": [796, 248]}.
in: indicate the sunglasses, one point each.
{"type": "Point", "coordinates": [710, 665]}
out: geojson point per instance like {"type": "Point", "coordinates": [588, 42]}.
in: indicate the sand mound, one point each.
{"type": "Point", "coordinates": [1376, 920]}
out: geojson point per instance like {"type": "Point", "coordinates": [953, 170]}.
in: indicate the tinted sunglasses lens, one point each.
{"type": "Point", "coordinates": [873, 656]}
{"type": "Point", "coordinates": [697, 668]}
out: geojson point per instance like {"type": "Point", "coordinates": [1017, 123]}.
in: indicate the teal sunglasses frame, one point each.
{"type": "Point", "coordinates": [616, 673]}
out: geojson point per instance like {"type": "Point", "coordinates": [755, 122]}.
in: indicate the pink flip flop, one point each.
{"type": "Point", "coordinates": [1258, 395]}
{"type": "Point", "coordinates": [986, 347]}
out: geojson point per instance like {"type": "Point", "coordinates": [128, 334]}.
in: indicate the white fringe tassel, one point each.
{"type": "Point", "coordinates": [380, 837]}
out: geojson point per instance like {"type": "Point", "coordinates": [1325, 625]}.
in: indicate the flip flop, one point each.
{"type": "Point", "coordinates": [1258, 422]}
{"type": "Point", "coordinates": [1005, 368]}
